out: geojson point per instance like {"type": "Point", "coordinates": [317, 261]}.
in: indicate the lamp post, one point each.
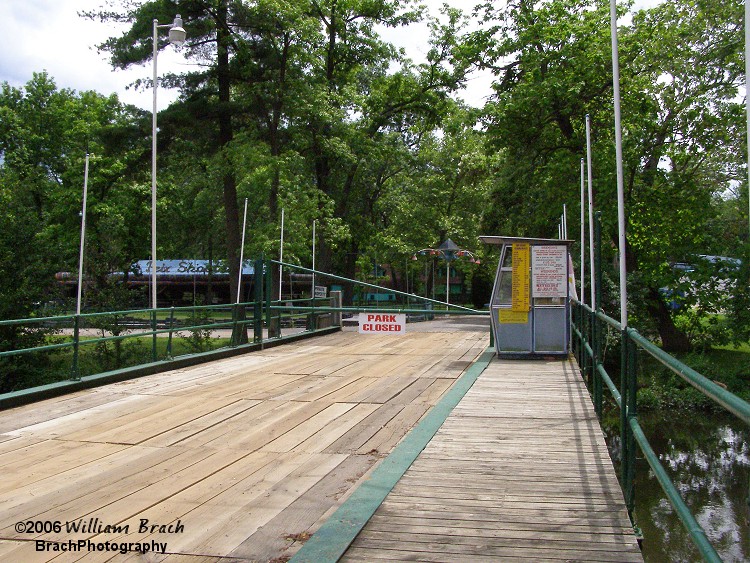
{"type": "Point", "coordinates": [176, 37]}
{"type": "Point", "coordinates": [448, 251]}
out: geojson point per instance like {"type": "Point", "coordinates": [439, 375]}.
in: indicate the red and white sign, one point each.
{"type": "Point", "coordinates": [379, 323]}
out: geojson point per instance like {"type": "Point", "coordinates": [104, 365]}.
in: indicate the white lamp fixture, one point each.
{"type": "Point", "coordinates": [176, 37]}
{"type": "Point", "coordinates": [176, 32]}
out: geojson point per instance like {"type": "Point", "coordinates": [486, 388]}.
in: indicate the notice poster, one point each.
{"type": "Point", "coordinates": [520, 300]}
{"type": "Point", "coordinates": [373, 323]}
{"type": "Point", "coordinates": [509, 316]}
{"type": "Point", "coordinates": [549, 271]}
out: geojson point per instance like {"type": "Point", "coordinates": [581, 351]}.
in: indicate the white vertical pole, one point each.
{"type": "Point", "coordinates": [747, 95]}
{"type": "Point", "coordinates": [313, 260]}
{"type": "Point", "coordinates": [565, 221]}
{"type": "Point", "coordinates": [592, 275]}
{"type": "Point", "coordinates": [153, 176]}
{"type": "Point", "coordinates": [242, 254]}
{"type": "Point", "coordinates": [583, 232]}
{"type": "Point", "coordinates": [620, 178]}
{"type": "Point", "coordinates": [83, 234]}
{"type": "Point", "coordinates": [281, 253]}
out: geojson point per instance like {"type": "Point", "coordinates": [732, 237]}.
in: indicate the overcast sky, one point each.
{"type": "Point", "coordinates": [49, 35]}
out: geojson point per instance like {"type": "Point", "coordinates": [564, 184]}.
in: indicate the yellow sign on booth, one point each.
{"type": "Point", "coordinates": [509, 316]}
{"type": "Point", "coordinates": [520, 298]}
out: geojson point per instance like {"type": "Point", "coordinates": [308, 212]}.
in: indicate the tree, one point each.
{"type": "Point", "coordinates": [44, 136]}
{"type": "Point", "coordinates": [680, 78]}
{"type": "Point", "coordinates": [214, 30]}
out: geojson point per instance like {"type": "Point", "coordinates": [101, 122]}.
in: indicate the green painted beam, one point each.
{"type": "Point", "coordinates": [330, 542]}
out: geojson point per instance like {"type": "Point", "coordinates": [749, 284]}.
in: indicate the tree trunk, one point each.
{"type": "Point", "coordinates": [672, 338]}
{"type": "Point", "coordinates": [226, 134]}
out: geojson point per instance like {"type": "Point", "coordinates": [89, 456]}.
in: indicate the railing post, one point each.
{"type": "Point", "coordinates": [599, 329]}
{"type": "Point", "coordinates": [154, 354]}
{"type": "Point", "coordinates": [598, 259]}
{"type": "Point", "coordinates": [627, 440]}
{"type": "Point", "coordinates": [574, 339]}
{"type": "Point", "coordinates": [632, 412]}
{"type": "Point", "coordinates": [581, 336]}
{"type": "Point", "coordinates": [269, 290]}
{"type": "Point", "coordinates": [586, 336]}
{"type": "Point", "coordinates": [258, 301]}
{"type": "Point", "coordinates": [596, 346]}
{"type": "Point", "coordinates": [171, 328]}
{"type": "Point", "coordinates": [235, 313]}
{"type": "Point", "coordinates": [75, 373]}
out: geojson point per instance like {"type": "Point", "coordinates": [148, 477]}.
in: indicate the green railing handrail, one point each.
{"type": "Point", "coordinates": [718, 394]}
{"type": "Point", "coordinates": [143, 323]}
{"type": "Point", "coordinates": [695, 530]}
{"type": "Point", "coordinates": [628, 410]}
{"type": "Point", "coordinates": [373, 286]}
{"type": "Point", "coordinates": [143, 331]}
{"type": "Point", "coordinates": [131, 312]}
{"type": "Point", "coordinates": [390, 310]}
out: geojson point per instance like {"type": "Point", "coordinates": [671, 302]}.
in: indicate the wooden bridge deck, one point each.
{"type": "Point", "coordinates": [252, 454]}
{"type": "Point", "coordinates": [518, 471]}
{"type": "Point", "coordinates": [248, 454]}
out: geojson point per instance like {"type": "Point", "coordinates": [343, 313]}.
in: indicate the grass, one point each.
{"type": "Point", "coordinates": [107, 356]}
{"type": "Point", "coordinates": [726, 365]}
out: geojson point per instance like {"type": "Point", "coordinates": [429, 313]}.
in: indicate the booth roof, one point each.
{"type": "Point", "coordinates": [500, 240]}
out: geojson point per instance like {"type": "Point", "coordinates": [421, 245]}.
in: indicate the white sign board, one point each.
{"type": "Point", "coordinates": [321, 292]}
{"type": "Point", "coordinates": [378, 323]}
{"type": "Point", "coordinates": [549, 271]}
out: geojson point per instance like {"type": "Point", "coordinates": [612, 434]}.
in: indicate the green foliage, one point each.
{"type": "Point", "coordinates": [682, 129]}
{"type": "Point", "coordinates": [660, 388]}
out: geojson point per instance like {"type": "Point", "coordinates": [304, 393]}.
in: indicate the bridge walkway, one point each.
{"type": "Point", "coordinates": [518, 471]}
{"type": "Point", "coordinates": [243, 457]}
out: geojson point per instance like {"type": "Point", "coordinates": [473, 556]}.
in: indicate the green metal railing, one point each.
{"type": "Point", "coordinates": [71, 339]}
{"type": "Point", "coordinates": [589, 329]}
{"type": "Point", "coordinates": [131, 324]}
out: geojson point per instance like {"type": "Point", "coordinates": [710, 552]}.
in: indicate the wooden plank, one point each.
{"type": "Point", "coordinates": [284, 534]}
{"type": "Point", "coordinates": [354, 438]}
{"type": "Point", "coordinates": [332, 431]}
{"type": "Point", "coordinates": [58, 406]}
{"type": "Point", "coordinates": [92, 488]}
{"type": "Point", "coordinates": [510, 528]}
{"type": "Point", "coordinates": [50, 457]}
{"type": "Point", "coordinates": [222, 523]}
{"type": "Point", "coordinates": [259, 426]}
{"type": "Point", "coordinates": [387, 437]}
{"type": "Point", "coordinates": [161, 417]}
{"type": "Point", "coordinates": [482, 549]}
{"type": "Point", "coordinates": [558, 541]}
{"type": "Point", "coordinates": [200, 424]}
{"type": "Point", "coordinates": [296, 436]}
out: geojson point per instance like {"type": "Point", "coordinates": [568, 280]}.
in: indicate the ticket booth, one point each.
{"type": "Point", "coordinates": [530, 302]}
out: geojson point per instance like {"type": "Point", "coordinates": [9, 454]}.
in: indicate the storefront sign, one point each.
{"type": "Point", "coordinates": [375, 323]}
{"type": "Point", "coordinates": [549, 272]}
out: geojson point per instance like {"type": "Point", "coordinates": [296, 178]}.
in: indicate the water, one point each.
{"type": "Point", "coordinates": [708, 458]}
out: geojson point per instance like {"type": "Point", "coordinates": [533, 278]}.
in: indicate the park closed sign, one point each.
{"type": "Point", "coordinates": [380, 323]}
